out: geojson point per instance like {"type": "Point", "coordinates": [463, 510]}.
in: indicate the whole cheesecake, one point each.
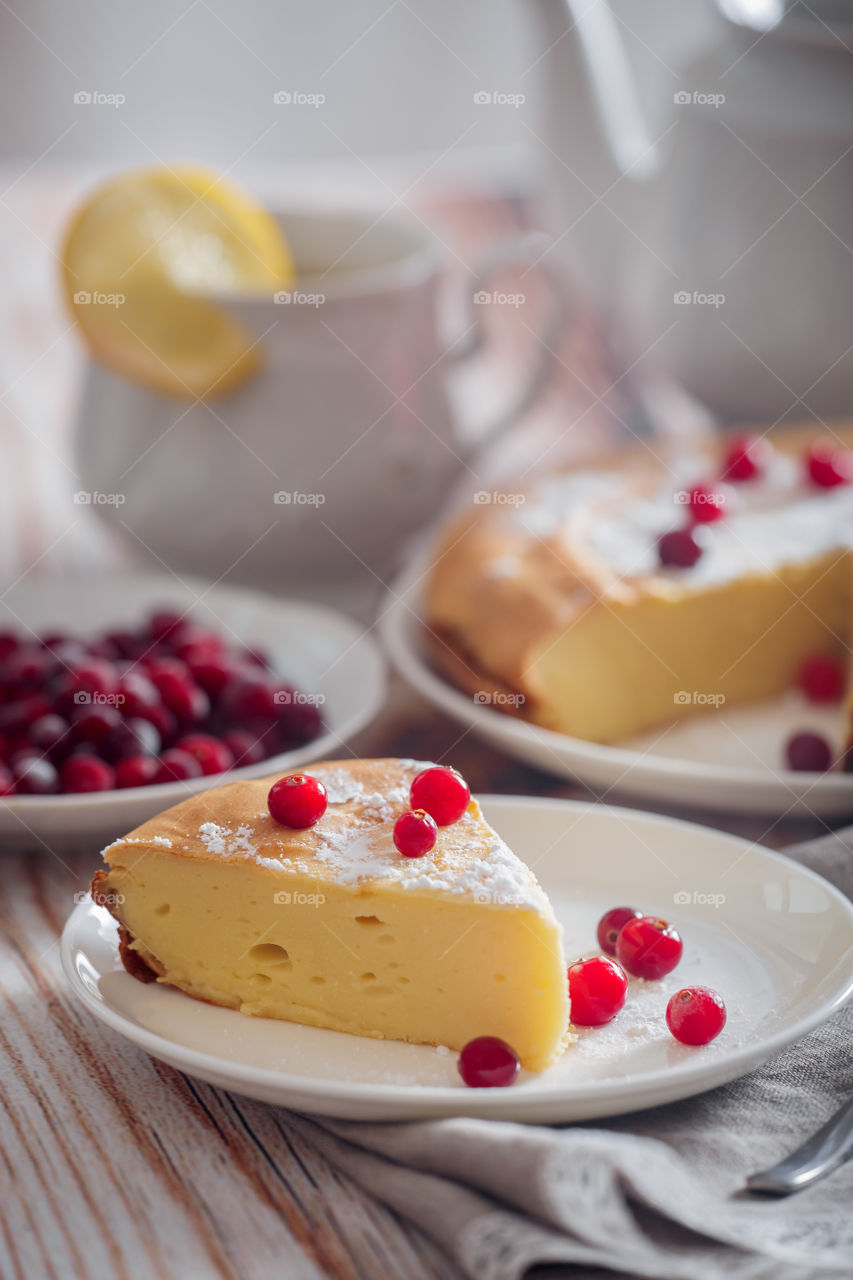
{"type": "Point", "coordinates": [332, 927]}
{"type": "Point", "coordinates": [552, 602]}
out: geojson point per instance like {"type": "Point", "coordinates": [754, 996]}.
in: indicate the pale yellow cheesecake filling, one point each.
{"type": "Point", "coordinates": [622, 668]}
{"type": "Point", "coordinates": [418, 967]}
{"type": "Point", "coordinates": [332, 927]}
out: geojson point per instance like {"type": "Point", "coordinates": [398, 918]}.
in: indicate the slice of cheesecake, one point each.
{"type": "Point", "coordinates": [555, 606]}
{"type": "Point", "coordinates": [332, 927]}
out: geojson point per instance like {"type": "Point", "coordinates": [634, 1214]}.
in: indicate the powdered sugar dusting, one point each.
{"type": "Point", "coordinates": [353, 843]}
{"type": "Point", "coordinates": [222, 840]}
{"type": "Point", "coordinates": [341, 786]}
{"type": "Point", "coordinates": [641, 1022]}
{"type": "Point", "coordinates": [163, 841]}
{"type": "Point", "coordinates": [468, 859]}
{"type": "Point", "coordinates": [775, 520]}
{"type": "Point", "coordinates": [378, 807]}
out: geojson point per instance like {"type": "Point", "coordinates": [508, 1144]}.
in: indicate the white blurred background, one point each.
{"type": "Point", "coordinates": [745, 202]}
{"type": "Point", "coordinates": [199, 78]}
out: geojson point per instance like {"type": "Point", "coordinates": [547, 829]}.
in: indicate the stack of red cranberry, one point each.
{"type": "Point", "coordinates": [746, 459]}
{"type": "Point", "coordinates": [644, 946]}
{"type": "Point", "coordinates": [823, 679]}
{"type": "Point", "coordinates": [439, 796]}
{"type": "Point", "coordinates": [168, 702]}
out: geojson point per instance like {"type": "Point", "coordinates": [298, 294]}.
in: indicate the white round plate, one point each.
{"type": "Point", "coordinates": [727, 760]}
{"type": "Point", "coordinates": [774, 939]}
{"type": "Point", "coordinates": [323, 652]}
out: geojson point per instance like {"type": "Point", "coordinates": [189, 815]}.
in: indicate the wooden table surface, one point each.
{"type": "Point", "coordinates": [112, 1164]}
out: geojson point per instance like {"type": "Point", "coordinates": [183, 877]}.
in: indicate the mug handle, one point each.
{"type": "Point", "coordinates": [516, 250]}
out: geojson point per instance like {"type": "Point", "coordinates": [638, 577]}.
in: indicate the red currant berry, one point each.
{"type": "Point", "coordinates": [34, 776]}
{"type": "Point", "coordinates": [828, 466]}
{"type": "Point", "coordinates": [696, 1015]}
{"type": "Point", "coordinates": [211, 674]}
{"type": "Point", "coordinates": [415, 833]}
{"type": "Point", "coordinates": [597, 989]}
{"type": "Point", "coordinates": [136, 771]}
{"type": "Point", "coordinates": [212, 754]}
{"type": "Point", "coordinates": [808, 753]}
{"type": "Point", "coordinates": [746, 458]}
{"type": "Point", "coordinates": [163, 721]}
{"type": "Point", "coordinates": [250, 698]}
{"type": "Point", "coordinates": [87, 773]}
{"type": "Point", "coordinates": [443, 793]}
{"type": "Point", "coordinates": [648, 947]}
{"type": "Point", "coordinates": [55, 640]}
{"type": "Point", "coordinates": [137, 694]}
{"type": "Point", "coordinates": [68, 653]}
{"type": "Point", "coordinates": [8, 644]}
{"type": "Point", "coordinates": [297, 800]}
{"type": "Point", "coordinates": [94, 675]}
{"type": "Point", "coordinates": [299, 718]}
{"type": "Point", "coordinates": [182, 695]}
{"type": "Point", "coordinates": [267, 737]}
{"type": "Point", "coordinates": [123, 643]}
{"type": "Point", "coordinates": [488, 1063]}
{"type": "Point", "coordinates": [50, 735]}
{"type": "Point", "coordinates": [26, 669]}
{"type": "Point", "coordinates": [304, 728]}
{"type": "Point", "coordinates": [246, 748]}
{"type": "Point", "coordinates": [20, 748]}
{"type": "Point", "coordinates": [166, 624]}
{"type": "Point", "coordinates": [97, 649]}
{"type": "Point", "coordinates": [679, 549]}
{"type": "Point", "coordinates": [822, 678]}
{"type": "Point", "coordinates": [610, 924]}
{"type": "Point", "coordinates": [159, 667]}
{"type": "Point", "coordinates": [16, 717]}
{"type": "Point", "coordinates": [177, 766]}
{"type": "Point", "coordinates": [131, 738]}
{"type": "Point", "coordinates": [705, 503]}
{"type": "Point", "coordinates": [195, 644]}
{"type": "Point", "coordinates": [94, 724]}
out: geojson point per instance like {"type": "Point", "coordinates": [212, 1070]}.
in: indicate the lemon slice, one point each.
{"type": "Point", "coordinates": [137, 260]}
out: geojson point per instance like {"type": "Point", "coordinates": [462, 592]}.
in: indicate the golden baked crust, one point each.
{"type": "Point", "coordinates": [372, 790]}
{"type": "Point", "coordinates": [133, 962]}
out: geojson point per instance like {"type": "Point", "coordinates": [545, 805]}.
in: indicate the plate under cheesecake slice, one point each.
{"type": "Point", "coordinates": [332, 927]}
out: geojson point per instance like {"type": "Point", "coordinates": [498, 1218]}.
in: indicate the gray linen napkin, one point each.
{"type": "Point", "coordinates": [655, 1194]}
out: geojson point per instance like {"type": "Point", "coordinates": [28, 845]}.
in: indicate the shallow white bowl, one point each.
{"type": "Point", "coordinates": [726, 760]}
{"type": "Point", "coordinates": [323, 652]}
{"type": "Point", "coordinates": [772, 937]}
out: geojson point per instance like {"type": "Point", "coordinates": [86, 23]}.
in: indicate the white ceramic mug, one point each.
{"type": "Point", "coordinates": [342, 445]}
{"type": "Point", "coordinates": [708, 197]}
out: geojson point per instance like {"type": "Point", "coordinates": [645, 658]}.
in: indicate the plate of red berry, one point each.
{"type": "Point", "coordinates": [692, 956]}
{"type": "Point", "coordinates": [121, 694]}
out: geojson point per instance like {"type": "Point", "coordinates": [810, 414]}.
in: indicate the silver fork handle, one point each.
{"type": "Point", "coordinates": [819, 1155]}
